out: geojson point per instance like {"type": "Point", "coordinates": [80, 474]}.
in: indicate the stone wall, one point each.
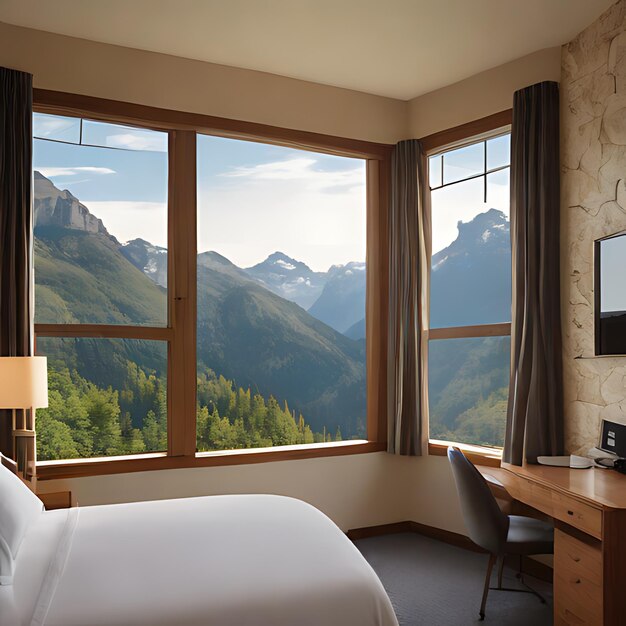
{"type": "Point", "coordinates": [593, 204]}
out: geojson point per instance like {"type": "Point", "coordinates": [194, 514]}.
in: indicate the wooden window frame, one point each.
{"type": "Point", "coordinates": [438, 142]}
{"type": "Point", "coordinates": [180, 332]}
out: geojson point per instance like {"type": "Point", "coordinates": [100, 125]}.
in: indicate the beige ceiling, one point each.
{"type": "Point", "coordinates": [395, 48]}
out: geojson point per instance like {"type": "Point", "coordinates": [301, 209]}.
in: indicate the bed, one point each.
{"type": "Point", "coordinates": [239, 560]}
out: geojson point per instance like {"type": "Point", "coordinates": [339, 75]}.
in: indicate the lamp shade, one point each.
{"type": "Point", "coordinates": [23, 382]}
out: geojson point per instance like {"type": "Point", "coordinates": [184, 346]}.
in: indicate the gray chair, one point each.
{"type": "Point", "coordinates": [491, 529]}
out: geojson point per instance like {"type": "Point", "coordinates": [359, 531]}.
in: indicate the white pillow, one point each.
{"type": "Point", "coordinates": [19, 507]}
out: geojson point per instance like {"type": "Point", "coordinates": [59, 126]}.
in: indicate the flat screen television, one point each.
{"type": "Point", "coordinates": [610, 295]}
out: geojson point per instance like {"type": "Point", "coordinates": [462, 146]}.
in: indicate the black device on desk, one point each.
{"type": "Point", "coordinates": [613, 440]}
{"type": "Point", "coordinates": [620, 465]}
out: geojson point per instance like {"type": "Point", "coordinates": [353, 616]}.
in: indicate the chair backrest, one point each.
{"type": "Point", "coordinates": [487, 525]}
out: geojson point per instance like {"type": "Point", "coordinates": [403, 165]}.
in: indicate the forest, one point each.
{"type": "Point", "coordinates": [84, 420]}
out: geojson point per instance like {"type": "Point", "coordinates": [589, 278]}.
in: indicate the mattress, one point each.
{"type": "Point", "coordinates": [235, 560]}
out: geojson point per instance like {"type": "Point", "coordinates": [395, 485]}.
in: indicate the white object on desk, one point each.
{"type": "Point", "coordinates": [574, 461]}
{"type": "Point", "coordinates": [598, 453]}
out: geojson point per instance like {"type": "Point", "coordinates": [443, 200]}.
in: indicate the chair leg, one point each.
{"type": "Point", "coordinates": [520, 576]}
{"type": "Point", "coordinates": [492, 560]}
{"type": "Point", "coordinates": [500, 571]}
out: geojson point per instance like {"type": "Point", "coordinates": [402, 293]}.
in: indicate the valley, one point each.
{"type": "Point", "coordinates": [276, 336]}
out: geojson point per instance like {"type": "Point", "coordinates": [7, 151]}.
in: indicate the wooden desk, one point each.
{"type": "Point", "coordinates": [589, 512]}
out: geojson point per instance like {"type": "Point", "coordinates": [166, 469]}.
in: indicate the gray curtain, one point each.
{"type": "Point", "coordinates": [16, 110]}
{"type": "Point", "coordinates": [409, 256]}
{"type": "Point", "coordinates": [535, 410]}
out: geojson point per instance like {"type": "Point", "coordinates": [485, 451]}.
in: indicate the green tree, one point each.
{"type": "Point", "coordinates": [54, 438]}
{"type": "Point", "coordinates": [150, 431]}
{"type": "Point", "coordinates": [104, 410]}
{"type": "Point", "coordinates": [222, 436]}
{"type": "Point", "coordinates": [135, 442]}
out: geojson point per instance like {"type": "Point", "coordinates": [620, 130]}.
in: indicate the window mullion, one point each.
{"type": "Point", "coordinates": [182, 294]}
{"type": "Point", "coordinates": [104, 331]}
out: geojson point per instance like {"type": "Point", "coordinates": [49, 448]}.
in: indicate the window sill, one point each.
{"type": "Point", "coordinates": [479, 455]}
{"type": "Point", "coordinates": [51, 470]}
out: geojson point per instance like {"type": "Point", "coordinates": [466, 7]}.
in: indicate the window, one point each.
{"type": "Point", "coordinates": [196, 293]}
{"type": "Point", "coordinates": [100, 225]}
{"type": "Point", "coordinates": [470, 292]}
{"type": "Point", "coordinates": [281, 296]}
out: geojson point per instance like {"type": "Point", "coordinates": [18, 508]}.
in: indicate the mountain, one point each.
{"type": "Point", "coordinates": [357, 330]}
{"type": "Point", "coordinates": [53, 207]}
{"type": "Point", "coordinates": [251, 335]}
{"type": "Point", "coordinates": [341, 304]}
{"type": "Point", "coordinates": [81, 276]}
{"type": "Point", "coordinates": [291, 279]}
{"type": "Point", "coordinates": [245, 332]}
{"type": "Point", "coordinates": [613, 332]}
{"type": "Point", "coordinates": [471, 278]}
{"type": "Point", "coordinates": [214, 261]}
{"type": "Point", "coordinates": [468, 389]}
{"type": "Point", "coordinates": [150, 259]}
{"type": "Point", "coordinates": [468, 378]}
{"type": "Point", "coordinates": [255, 337]}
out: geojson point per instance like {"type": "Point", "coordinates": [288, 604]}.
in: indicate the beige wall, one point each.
{"type": "Point", "coordinates": [355, 490]}
{"type": "Point", "coordinates": [481, 95]}
{"type": "Point", "coordinates": [78, 66]}
{"type": "Point", "coordinates": [593, 194]}
{"type": "Point", "coordinates": [95, 69]}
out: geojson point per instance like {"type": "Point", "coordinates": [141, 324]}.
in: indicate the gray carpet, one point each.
{"type": "Point", "coordinates": [433, 583]}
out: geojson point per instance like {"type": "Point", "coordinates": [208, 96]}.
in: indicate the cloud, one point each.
{"type": "Point", "coordinates": [126, 206]}
{"type": "Point", "coordinates": [300, 169]}
{"type": "Point", "coordinates": [276, 170]}
{"type": "Point", "coordinates": [130, 219]}
{"type": "Point", "coordinates": [55, 172]}
{"type": "Point", "coordinates": [250, 218]}
{"type": "Point", "coordinates": [139, 140]}
{"type": "Point", "coordinates": [46, 125]}
{"type": "Point", "coordinates": [309, 206]}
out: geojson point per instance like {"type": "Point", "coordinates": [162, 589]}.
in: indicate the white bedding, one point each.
{"type": "Point", "coordinates": [238, 560]}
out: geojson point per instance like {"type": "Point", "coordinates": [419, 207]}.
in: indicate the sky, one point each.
{"type": "Point", "coordinates": [462, 201]}
{"type": "Point", "coordinates": [612, 277]}
{"type": "Point", "coordinates": [253, 199]}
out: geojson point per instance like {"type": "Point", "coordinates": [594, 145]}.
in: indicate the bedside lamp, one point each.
{"type": "Point", "coordinates": [24, 386]}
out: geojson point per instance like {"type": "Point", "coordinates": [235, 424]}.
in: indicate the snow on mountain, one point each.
{"type": "Point", "coordinates": [289, 278]}
{"type": "Point", "coordinates": [151, 259]}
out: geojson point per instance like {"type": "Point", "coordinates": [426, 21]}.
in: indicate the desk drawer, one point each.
{"type": "Point", "coordinates": [577, 557]}
{"type": "Point", "coordinates": [577, 581]}
{"type": "Point", "coordinates": [577, 615]}
{"type": "Point", "coordinates": [571, 511]}
{"type": "Point", "coordinates": [562, 507]}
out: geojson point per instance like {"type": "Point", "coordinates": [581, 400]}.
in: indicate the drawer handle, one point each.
{"type": "Point", "coordinates": [570, 512]}
{"type": "Point", "coordinates": [577, 581]}
{"type": "Point", "coordinates": [576, 559]}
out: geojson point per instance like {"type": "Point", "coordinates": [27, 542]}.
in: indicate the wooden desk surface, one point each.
{"type": "Point", "coordinates": [596, 486]}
